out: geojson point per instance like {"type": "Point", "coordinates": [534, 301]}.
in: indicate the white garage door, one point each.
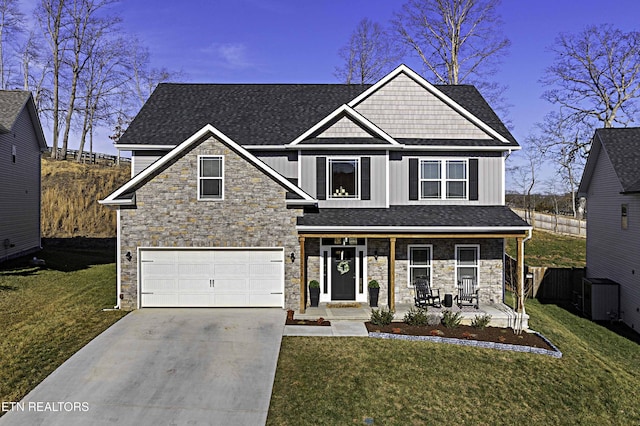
{"type": "Point", "coordinates": [212, 278]}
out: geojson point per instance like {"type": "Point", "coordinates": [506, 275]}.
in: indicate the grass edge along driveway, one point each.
{"type": "Point", "coordinates": [48, 314]}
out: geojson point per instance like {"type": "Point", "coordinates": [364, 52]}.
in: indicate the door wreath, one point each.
{"type": "Point", "coordinates": [343, 267]}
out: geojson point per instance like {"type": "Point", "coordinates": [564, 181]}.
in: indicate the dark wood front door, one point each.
{"type": "Point", "coordinates": [343, 273]}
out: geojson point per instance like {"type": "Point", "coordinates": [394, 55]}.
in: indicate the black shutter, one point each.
{"type": "Point", "coordinates": [473, 179]}
{"type": "Point", "coordinates": [365, 172]}
{"type": "Point", "coordinates": [413, 178]}
{"type": "Point", "coordinates": [321, 181]}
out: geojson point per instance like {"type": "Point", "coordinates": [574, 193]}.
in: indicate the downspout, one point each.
{"type": "Point", "coordinates": [522, 312]}
{"type": "Point", "coordinates": [119, 260]}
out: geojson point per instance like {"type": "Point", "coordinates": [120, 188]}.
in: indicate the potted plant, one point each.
{"type": "Point", "coordinates": [374, 291]}
{"type": "Point", "coordinates": [314, 292]}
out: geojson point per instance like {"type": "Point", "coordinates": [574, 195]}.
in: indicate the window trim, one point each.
{"type": "Point", "coordinates": [477, 266]}
{"type": "Point", "coordinates": [221, 178]}
{"type": "Point", "coordinates": [444, 179]}
{"type": "Point", "coordinates": [329, 178]}
{"type": "Point", "coordinates": [410, 266]}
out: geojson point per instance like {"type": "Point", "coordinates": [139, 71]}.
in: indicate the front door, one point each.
{"type": "Point", "coordinates": [343, 273]}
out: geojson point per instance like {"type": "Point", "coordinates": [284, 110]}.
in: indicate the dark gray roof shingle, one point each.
{"type": "Point", "coordinates": [622, 145]}
{"type": "Point", "coordinates": [416, 216]}
{"type": "Point", "coordinates": [265, 114]}
{"type": "Point", "coordinates": [11, 103]}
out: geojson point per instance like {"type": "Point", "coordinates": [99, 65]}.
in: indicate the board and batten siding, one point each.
{"type": "Point", "coordinates": [285, 163]}
{"type": "Point", "coordinates": [140, 160]}
{"type": "Point", "coordinates": [490, 178]}
{"type": "Point", "coordinates": [19, 189]}
{"type": "Point", "coordinates": [404, 109]}
{"type": "Point", "coordinates": [378, 176]}
{"type": "Point", "coordinates": [613, 252]}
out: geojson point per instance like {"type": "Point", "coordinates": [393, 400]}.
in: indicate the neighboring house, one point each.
{"type": "Point", "coordinates": [242, 194]}
{"type": "Point", "coordinates": [611, 184]}
{"type": "Point", "coordinates": [21, 144]}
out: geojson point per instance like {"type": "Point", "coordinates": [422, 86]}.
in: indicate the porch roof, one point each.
{"type": "Point", "coordinates": [414, 218]}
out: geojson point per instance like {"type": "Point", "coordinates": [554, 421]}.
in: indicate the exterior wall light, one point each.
{"type": "Point", "coordinates": [292, 257]}
{"type": "Point", "coordinates": [128, 256]}
{"type": "Point", "coordinates": [375, 255]}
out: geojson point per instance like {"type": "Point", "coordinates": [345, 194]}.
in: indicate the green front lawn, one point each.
{"type": "Point", "coordinates": [353, 380]}
{"type": "Point", "coordinates": [48, 314]}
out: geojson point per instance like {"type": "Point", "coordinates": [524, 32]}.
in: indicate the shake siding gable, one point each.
{"type": "Point", "coordinates": [344, 128]}
{"type": "Point", "coordinates": [404, 109]}
{"type": "Point", "coordinates": [613, 252]}
{"type": "Point", "coordinates": [20, 189]}
{"type": "Point", "coordinates": [168, 214]}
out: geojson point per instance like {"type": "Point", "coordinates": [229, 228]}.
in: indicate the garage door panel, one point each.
{"type": "Point", "coordinates": [183, 277]}
{"type": "Point", "coordinates": [266, 270]}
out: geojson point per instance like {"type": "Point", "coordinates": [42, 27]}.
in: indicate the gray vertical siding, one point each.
{"type": "Point", "coordinates": [490, 179]}
{"type": "Point", "coordinates": [404, 109]}
{"type": "Point", "coordinates": [613, 252]}
{"type": "Point", "coordinates": [285, 163]}
{"type": "Point", "coordinates": [140, 160]}
{"type": "Point", "coordinates": [378, 179]}
{"type": "Point", "coordinates": [20, 189]}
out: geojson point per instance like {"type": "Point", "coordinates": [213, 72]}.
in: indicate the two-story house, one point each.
{"type": "Point", "coordinates": [611, 184]}
{"type": "Point", "coordinates": [22, 143]}
{"type": "Point", "coordinates": [243, 193]}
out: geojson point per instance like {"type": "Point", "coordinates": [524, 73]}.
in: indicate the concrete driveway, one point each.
{"type": "Point", "coordinates": [165, 367]}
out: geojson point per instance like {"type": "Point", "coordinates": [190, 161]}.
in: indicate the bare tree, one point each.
{"type": "Point", "coordinates": [595, 76]}
{"type": "Point", "coordinates": [87, 31]}
{"type": "Point", "coordinates": [458, 41]}
{"type": "Point", "coordinates": [369, 55]}
{"type": "Point", "coordinates": [50, 14]}
{"type": "Point", "coordinates": [11, 26]}
{"type": "Point", "coordinates": [103, 83]}
{"type": "Point", "coordinates": [36, 68]}
{"type": "Point", "coordinates": [567, 145]}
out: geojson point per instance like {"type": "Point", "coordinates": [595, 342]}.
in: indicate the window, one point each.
{"type": "Point", "coordinates": [419, 263]}
{"type": "Point", "coordinates": [624, 212]}
{"type": "Point", "coordinates": [343, 178]}
{"type": "Point", "coordinates": [452, 187]}
{"type": "Point", "coordinates": [467, 262]}
{"type": "Point", "coordinates": [210, 178]}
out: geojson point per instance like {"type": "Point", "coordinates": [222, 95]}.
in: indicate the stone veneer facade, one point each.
{"type": "Point", "coordinates": [168, 214]}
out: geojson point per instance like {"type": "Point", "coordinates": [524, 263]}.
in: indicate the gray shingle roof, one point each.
{"type": "Point", "coordinates": [11, 103]}
{"type": "Point", "coordinates": [622, 145]}
{"type": "Point", "coordinates": [264, 114]}
{"type": "Point", "coordinates": [416, 216]}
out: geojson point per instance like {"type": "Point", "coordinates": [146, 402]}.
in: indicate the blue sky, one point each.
{"type": "Point", "coordinates": [297, 41]}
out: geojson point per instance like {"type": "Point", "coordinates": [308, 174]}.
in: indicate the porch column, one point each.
{"type": "Point", "coordinates": [392, 273]}
{"type": "Point", "coordinates": [303, 277]}
{"type": "Point", "coordinates": [520, 275]}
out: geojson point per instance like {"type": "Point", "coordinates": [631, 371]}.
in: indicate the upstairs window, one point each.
{"type": "Point", "coordinates": [210, 177]}
{"type": "Point", "coordinates": [344, 178]}
{"type": "Point", "coordinates": [624, 213]}
{"type": "Point", "coordinates": [443, 179]}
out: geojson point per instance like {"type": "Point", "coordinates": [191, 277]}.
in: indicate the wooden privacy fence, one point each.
{"type": "Point", "coordinates": [550, 285]}
{"type": "Point", "coordinates": [554, 223]}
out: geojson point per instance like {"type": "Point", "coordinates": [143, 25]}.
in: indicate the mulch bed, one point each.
{"type": "Point", "coordinates": [464, 332]}
{"type": "Point", "coordinates": [317, 322]}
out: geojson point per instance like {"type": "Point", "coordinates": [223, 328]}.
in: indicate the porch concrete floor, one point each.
{"type": "Point", "coordinates": [501, 314]}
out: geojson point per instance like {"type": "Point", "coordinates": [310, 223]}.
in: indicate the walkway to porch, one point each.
{"type": "Point", "coordinates": [501, 314]}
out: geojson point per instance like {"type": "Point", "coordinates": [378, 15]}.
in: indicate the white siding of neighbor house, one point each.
{"type": "Point", "coordinates": [490, 179]}
{"type": "Point", "coordinates": [378, 183]}
{"type": "Point", "coordinates": [613, 252]}
{"type": "Point", "coordinates": [19, 188]}
{"type": "Point", "coordinates": [285, 163]}
{"type": "Point", "coordinates": [404, 109]}
{"type": "Point", "coordinates": [344, 128]}
{"type": "Point", "coordinates": [140, 160]}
